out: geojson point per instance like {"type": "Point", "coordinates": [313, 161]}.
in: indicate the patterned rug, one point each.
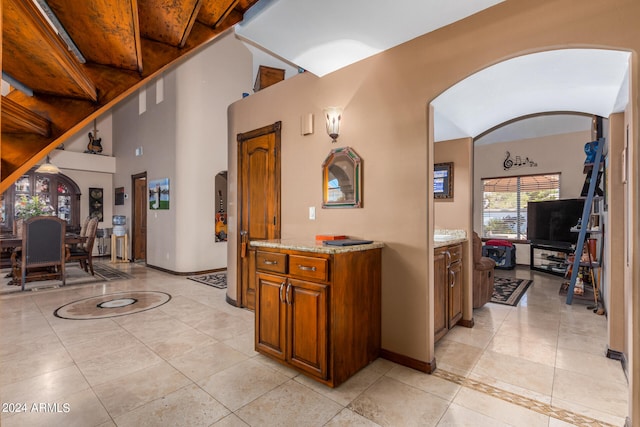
{"type": "Point", "coordinates": [217, 280]}
{"type": "Point", "coordinates": [109, 273]}
{"type": "Point", "coordinates": [508, 291]}
{"type": "Point", "coordinates": [75, 276]}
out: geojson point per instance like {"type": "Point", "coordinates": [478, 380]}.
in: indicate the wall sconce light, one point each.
{"type": "Point", "coordinates": [333, 116]}
{"type": "Point", "coordinates": [48, 167]}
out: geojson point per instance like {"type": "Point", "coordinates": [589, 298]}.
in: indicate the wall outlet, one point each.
{"type": "Point", "coordinates": [312, 212]}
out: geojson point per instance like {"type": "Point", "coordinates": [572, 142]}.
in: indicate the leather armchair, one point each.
{"type": "Point", "coordinates": [483, 270]}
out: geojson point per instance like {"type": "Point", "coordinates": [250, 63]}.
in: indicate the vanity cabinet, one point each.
{"type": "Point", "coordinates": [448, 283]}
{"type": "Point", "coordinates": [319, 313]}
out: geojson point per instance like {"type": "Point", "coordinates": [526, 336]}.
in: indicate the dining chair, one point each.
{"type": "Point", "coordinates": [83, 252]}
{"type": "Point", "coordinates": [43, 251]}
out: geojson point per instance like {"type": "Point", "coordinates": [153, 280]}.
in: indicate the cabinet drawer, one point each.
{"type": "Point", "coordinates": [308, 267]}
{"type": "Point", "coordinates": [270, 261]}
{"type": "Point", "coordinates": [456, 253]}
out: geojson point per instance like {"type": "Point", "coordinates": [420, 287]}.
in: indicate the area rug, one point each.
{"type": "Point", "coordinates": [508, 291]}
{"type": "Point", "coordinates": [217, 280]}
{"type": "Point", "coordinates": [110, 273]}
{"type": "Point", "coordinates": [75, 276]}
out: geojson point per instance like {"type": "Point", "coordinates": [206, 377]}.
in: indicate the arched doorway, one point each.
{"type": "Point", "coordinates": [554, 81]}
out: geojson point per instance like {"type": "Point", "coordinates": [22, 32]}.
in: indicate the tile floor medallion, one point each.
{"type": "Point", "coordinates": [112, 305]}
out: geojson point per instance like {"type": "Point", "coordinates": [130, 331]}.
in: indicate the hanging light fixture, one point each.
{"type": "Point", "coordinates": [333, 115]}
{"type": "Point", "coordinates": [48, 167]}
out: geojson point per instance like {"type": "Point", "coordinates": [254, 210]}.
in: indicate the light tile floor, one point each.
{"type": "Point", "coordinates": [191, 362]}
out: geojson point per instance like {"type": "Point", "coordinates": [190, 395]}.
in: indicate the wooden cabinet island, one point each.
{"type": "Point", "coordinates": [318, 307]}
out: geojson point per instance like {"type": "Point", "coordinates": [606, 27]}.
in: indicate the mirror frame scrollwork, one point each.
{"type": "Point", "coordinates": [346, 163]}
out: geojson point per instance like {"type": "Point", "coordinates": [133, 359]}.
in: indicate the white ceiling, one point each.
{"type": "Point", "coordinates": [592, 81]}
{"type": "Point", "coordinates": [324, 36]}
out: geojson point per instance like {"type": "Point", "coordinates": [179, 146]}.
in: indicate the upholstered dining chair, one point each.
{"type": "Point", "coordinates": [43, 251]}
{"type": "Point", "coordinates": [83, 252]}
{"type": "Point", "coordinates": [83, 227]}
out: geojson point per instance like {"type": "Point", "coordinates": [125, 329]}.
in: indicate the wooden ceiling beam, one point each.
{"type": "Point", "coordinates": [107, 32]}
{"type": "Point", "coordinates": [37, 57]}
{"type": "Point", "coordinates": [167, 21]}
{"type": "Point", "coordinates": [18, 119]}
{"type": "Point", "coordinates": [69, 114]}
{"type": "Point", "coordinates": [213, 12]}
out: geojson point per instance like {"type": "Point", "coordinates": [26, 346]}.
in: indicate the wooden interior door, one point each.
{"type": "Point", "coordinates": [139, 222]}
{"type": "Point", "coordinates": [259, 200]}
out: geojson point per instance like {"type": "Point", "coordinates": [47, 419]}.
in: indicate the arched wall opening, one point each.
{"type": "Point", "coordinates": [576, 81]}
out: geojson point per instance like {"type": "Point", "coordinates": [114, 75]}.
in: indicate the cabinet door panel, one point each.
{"type": "Point", "coordinates": [455, 293]}
{"type": "Point", "coordinates": [440, 284]}
{"type": "Point", "coordinates": [308, 327]}
{"type": "Point", "coordinates": [270, 315]}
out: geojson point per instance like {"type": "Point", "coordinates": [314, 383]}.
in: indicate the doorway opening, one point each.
{"type": "Point", "coordinates": [139, 213]}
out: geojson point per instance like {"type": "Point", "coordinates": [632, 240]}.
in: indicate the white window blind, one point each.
{"type": "Point", "coordinates": [504, 207]}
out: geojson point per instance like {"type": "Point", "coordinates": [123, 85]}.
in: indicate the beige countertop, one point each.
{"type": "Point", "coordinates": [448, 237]}
{"type": "Point", "coordinates": [312, 246]}
{"type": "Point", "coordinates": [442, 243]}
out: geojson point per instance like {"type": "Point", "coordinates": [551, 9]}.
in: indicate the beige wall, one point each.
{"type": "Point", "coordinates": [454, 213]}
{"type": "Point", "coordinates": [613, 271]}
{"type": "Point", "coordinates": [184, 139]}
{"type": "Point", "coordinates": [632, 245]}
{"type": "Point", "coordinates": [386, 120]}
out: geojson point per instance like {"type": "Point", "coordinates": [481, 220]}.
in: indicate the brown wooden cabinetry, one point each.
{"type": "Point", "coordinates": [319, 312]}
{"type": "Point", "coordinates": [448, 282]}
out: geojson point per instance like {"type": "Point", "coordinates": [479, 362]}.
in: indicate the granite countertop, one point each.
{"type": "Point", "coordinates": [312, 246]}
{"type": "Point", "coordinates": [442, 237]}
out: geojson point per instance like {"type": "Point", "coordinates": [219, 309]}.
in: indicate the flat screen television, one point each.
{"type": "Point", "coordinates": [550, 222]}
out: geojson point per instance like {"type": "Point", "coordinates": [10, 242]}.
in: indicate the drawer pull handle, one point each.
{"type": "Point", "coordinates": [305, 268]}
{"type": "Point", "coordinates": [269, 262]}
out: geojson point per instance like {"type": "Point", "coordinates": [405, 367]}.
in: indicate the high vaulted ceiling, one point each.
{"type": "Point", "coordinates": [127, 42]}
{"type": "Point", "coordinates": [120, 44]}
{"type": "Point", "coordinates": [325, 36]}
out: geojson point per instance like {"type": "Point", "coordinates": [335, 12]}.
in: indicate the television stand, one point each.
{"type": "Point", "coordinates": [550, 258]}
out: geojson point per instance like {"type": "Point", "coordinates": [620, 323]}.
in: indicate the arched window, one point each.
{"type": "Point", "coordinates": [58, 190]}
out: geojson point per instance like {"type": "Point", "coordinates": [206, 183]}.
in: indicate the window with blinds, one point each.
{"type": "Point", "coordinates": [504, 207]}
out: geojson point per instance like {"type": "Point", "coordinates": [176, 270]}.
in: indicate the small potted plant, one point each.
{"type": "Point", "coordinates": [28, 207]}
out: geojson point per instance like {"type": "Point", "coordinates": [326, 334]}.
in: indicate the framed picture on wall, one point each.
{"type": "Point", "coordinates": [443, 180]}
{"type": "Point", "coordinates": [119, 196]}
{"type": "Point", "coordinates": [95, 203]}
{"type": "Point", "coordinates": [159, 194]}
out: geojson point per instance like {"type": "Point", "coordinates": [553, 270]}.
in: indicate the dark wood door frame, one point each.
{"type": "Point", "coordinates": [242, 138]}
{"type": "Point", "coordinates": [134, 178]}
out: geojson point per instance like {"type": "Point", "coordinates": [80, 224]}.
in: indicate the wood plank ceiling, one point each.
{"type": "Point", "coordinates": [123, 43]}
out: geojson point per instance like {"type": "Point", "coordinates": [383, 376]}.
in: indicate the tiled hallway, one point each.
{"type": "Point", "coordinates": [190, 362]}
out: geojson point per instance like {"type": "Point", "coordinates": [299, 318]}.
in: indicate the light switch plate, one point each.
{"type": "Point", "coordinates": [312, 212]}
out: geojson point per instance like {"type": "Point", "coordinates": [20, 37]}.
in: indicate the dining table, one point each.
{"type": "Point", "coordinates": [10, 241]}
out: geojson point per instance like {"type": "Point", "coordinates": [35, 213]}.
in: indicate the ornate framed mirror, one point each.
{"type": "Point", "coordinates": [342, 179]}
